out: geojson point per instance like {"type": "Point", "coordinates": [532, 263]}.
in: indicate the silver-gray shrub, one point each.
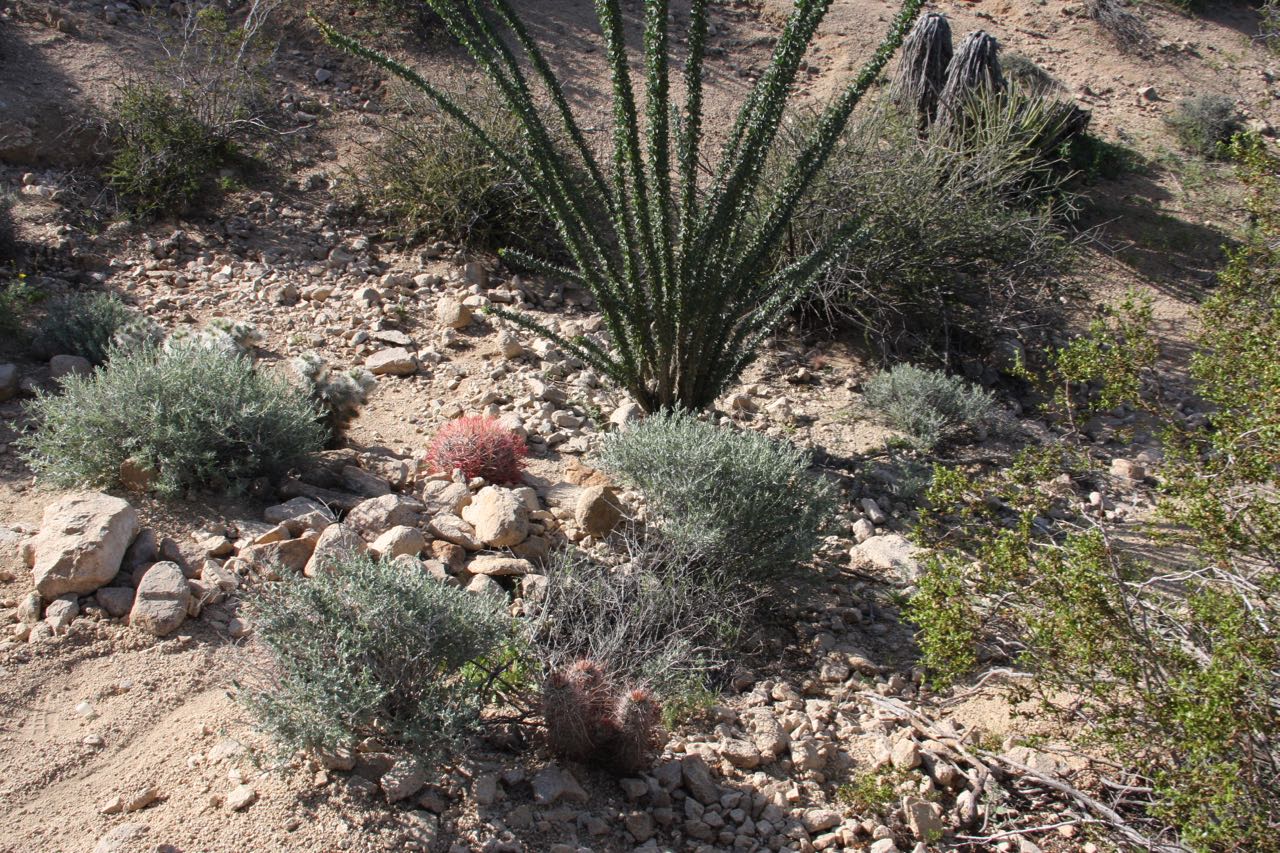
{"type": "Point", "coordinates": [368, 649]}
{"type": "Point", "coordinates": [200, 418]}
{"type": "Point", "coordinates": [928, 405]}
{"type": "Point", "coordinates": [643, 617]}
{"type": "Point", "coordinates": [749, 505]}
{"type": "Point", "coordinates": [89, 325]}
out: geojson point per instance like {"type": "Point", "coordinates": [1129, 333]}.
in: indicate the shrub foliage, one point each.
{"type": "Point", "coordinates": [370, 649]}
{"type": "Point", "coordinates": [87, 325]}
{"type": "Point", "coordinates": [1205, 123]}
{"type": "Point", "coordinates": [929, 405]}
{"type": "Point", "coordinates": [675, 267]}
{"type": "Point", "coordinates": [747, 504]}
{"type": "Point", "coordinates": [197, 417]}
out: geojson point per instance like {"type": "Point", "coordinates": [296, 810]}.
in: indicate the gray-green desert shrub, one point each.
{"type": "Point", "coordinates": [426, 180]}
{"type": "Point", "coordinates": [339, 395]}
{"type": "Point", "coordinates": [928, 405]}
{"type": "Point", "coordinates": [89, 325]}
{"type": "Point", "coordinates": [965, 226]}
{"type": "Point", "coordinates": [196, 417]}
{"type": "Point", "coordinates": [369, 649]}
{"type": "Point", "coordinates": [680, 275]}
{"type": "Point", "coordinates": [1205, 123]}
{"type": "Point", "coordinates": [748, 505]}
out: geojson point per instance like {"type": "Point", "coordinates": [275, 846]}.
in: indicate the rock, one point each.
{"type": "Point", "coordinates": [863, 530]}
{"type": "Point", "coordinates": [137, 476]}
{"type": "Point", "coordinates": [452, 314]}
{"type": "Point", "coordinates": [818, 820]}
{"type": "Point", "coordinates": [294, 508]}
{"type": "Point", "coordinates": [337, 542]}
{"type": "Point", "coordinates": [81, 543]}
{"type": "Point", "coordinates": [136, 801]}
{"type": "Point", "coordinates": [69, 365]}
{"type": "Point", "coordinates": [485, 585]}
{"type": "Point", "coordinates": [740, 753]}
{"type": "Point", "coordinates": [625, 414]}
{"type": "Point", "coordinates": [485, 789]}
{"type": "Point", "coordinates": [697, 780]}
{"type": "Point", "coordinates": [241, 797]}
{"type": "Point", "coordinates": [292, 555]}
{"type": "Point", "coordinates": [924, 818]}
{"type": "Point", "coordinates": [1127, 469]}
{"type": "Point", "coordinates": [124, 838]}
{"type": "Point", "coordinates": [60, 613]}
{"type": "Point", "coordinates": [551, 784]}
{"type": "Point", "coordinates": [452, 529]}
{"type": "Point", "coordinates": [422, 827]}
{"type": "Point", "coordinates": [1148, 93]}
{"type": "Point", "coordinates": [161, 603]}
{"type": "Point", "coordinates": [445, 496]}
{"type": "Point", "coordinates": [399, 541]}
{"type": "Point", "coordinates": [497, 566]}
{"type": "Point", "coordinates": [30, 608]}
{"type": "Point", "coordinates": [640, 825]}
{"type": "Point", "coordinates": [598, 510]}
{"type": "Point", "coordinates": [499, 517]}
{"type": "Point", "coordinates": [395, 361]}
{"type": "Point", "coordinates": [405, 778]}
{"type": "Point", "coordinates": [362, 482]}
{"type": "Point", "coordinates": [884, 845]}
{"type": "Point", "coordinates": [375, 515]}
{"type": "Point", "coordinates": [906, 754]}
{"type": "Point", "coordinates": [873, 511]}
{"type": "Point", "coordinates": [8, 381]}
{"type": "Point", "coordinates": [891, 553]}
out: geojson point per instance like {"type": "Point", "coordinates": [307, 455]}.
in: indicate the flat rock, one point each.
{"type": "Point", "coordinates": [69, 365]}
{"type": "Point", "coordinates": [405, 778]}
{"type": "Point", "coordinates": [498, 566]}
{"type": "Point", "coordinates": [891, 553]}
{"type": "Point", "coordinates": [445, 496]}
{"type": "Point", "coordinates": [551, 784]}
{"type": "Point", "coordinates": [81, 543]}
{"type": "Point", "coordinates": [241, 797]}
{"type": "Point", "coordinates": [294, 508]}
{"type": "Point", "coordinates": [124, 838]}
{"type": "Point", "coordinates": [450, 528]}
{"type": "Point", "coordinates": [697, 780]}
{"type": "Point", "coordinates": [289, 554]}
{"type": "Point", "coordinates": [395, 361]}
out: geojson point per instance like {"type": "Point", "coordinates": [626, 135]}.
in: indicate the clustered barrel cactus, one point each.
{"type": "Point", "coordinates": [590, 719]}
{"type": "Point", "coordinates": [682, 267]}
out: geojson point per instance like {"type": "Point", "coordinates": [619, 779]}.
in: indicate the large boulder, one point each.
{"type": "Point", "coordinates": [162, 599]}
{"type": "Point", "coordinates": [337, 542]}
{"type": "Point", "coordinates": [891, 554]}
{"type": "Point", "coordinates": [499, 516]}
{"type": "Point", "coordinates": [81, 543]}
{"type": "Point", "coordinates": [597, 511]}
{"type": "Point", "coordinates": [377, 515]}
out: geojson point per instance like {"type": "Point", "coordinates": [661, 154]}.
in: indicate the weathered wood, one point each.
{"type": "Point", "coordinates": [922, 71]}
{"type": "Point", "coordinates": [975, 66]}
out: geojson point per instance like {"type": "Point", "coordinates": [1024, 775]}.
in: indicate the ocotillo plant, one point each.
{"type": "Point", "coordinates": [680, 268]}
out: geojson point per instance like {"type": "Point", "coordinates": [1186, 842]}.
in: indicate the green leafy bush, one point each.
{"type": "Point", "coordinates": [172, 133]}
{"type": "Point", "coordinates": [680, 276]}
{"type": "Point", "coordinates": [86, 324]}
{"type": "Point", "coordinates": [747, 504]}
{"type": "Point", "coordinates": [370, 649]}
{"type": "Point", "coordinates": [17, 295]}
{"type": "Point", "coordinates": [427, 180]}
{"type": "Point", "coordinates": [928, 405]}
{"type": "Point", "coordinates": [196, 417]}
{"type": "Point", "coordinates": [1172, 660]}
{"type": "Point", "coordinates": [1205, 123]}
{"type": "Point", "coordinates": [964, 228]}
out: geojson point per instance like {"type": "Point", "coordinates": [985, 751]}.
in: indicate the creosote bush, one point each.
{"type": "Point", "coordinates": [369, 649]}
{"type": "Point", "coordinates": [928, 405]}
{"type": "Point", "coordinates": [198, 418]}
{"type": "Point", "coordinates": [1168, 648]}
{"type": "Point", "coordinates": [747, 504]}
{"type": "Point", "coordinates": [1204, 124]}
{"type": "Point", "coordinates": [427, 180]}
{"type": "Point", "coordinates": [478, 447]}
{"type": "Point", "coordinates": [171, 134]}
{"type": "Point", "coordinates": [681, 277]}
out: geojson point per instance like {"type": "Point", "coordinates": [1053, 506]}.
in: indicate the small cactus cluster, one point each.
{"type": "Point", "coordinates": [339, 394]}
{"type": "Point", "coordinates": [234, 337]}
{"type": "Point", "coordinates": [478, 447]}
{"type": "Point", "coordinates": [137, 331]}
{"type": "Point", "coordinates": [590, 719]}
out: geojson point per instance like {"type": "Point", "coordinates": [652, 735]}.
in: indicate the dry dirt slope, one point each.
{"type": "Point", "coordinates": [161, 709]}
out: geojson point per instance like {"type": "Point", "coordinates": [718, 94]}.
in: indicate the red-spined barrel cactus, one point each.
{"type": "Point", "coordinates": [478, 447]}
